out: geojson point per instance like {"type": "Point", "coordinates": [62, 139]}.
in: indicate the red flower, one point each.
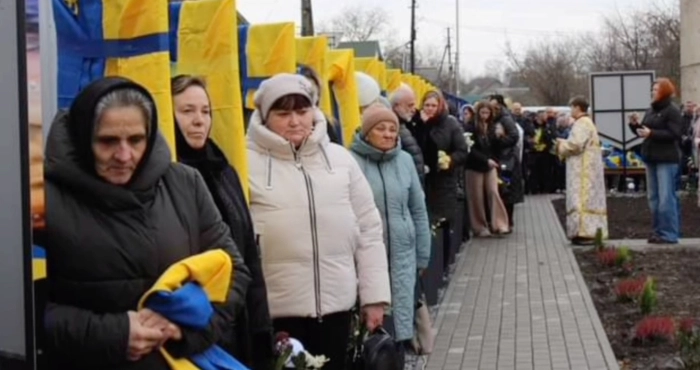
{"type": "Point", "coordinates": [651, 328]}
{"type": "Point", "coordinates": [630, 288]}
{"type": "Point", "coordinates": [608, 257]}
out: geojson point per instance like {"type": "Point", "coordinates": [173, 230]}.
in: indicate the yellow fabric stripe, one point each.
{"type": "Point", "coordinates": [382, 76]}
{"type": "Point", "coordinates": [340, 66]}
{"type": "Point", "coordinates": [134, 18]}
{"type": "Point", "coordinates": [393, 79]}
{"type": "Point", "coordinates": [369, 66]}
{"type": "Point", "coordinates": [208, 47]}
{"type": "Point", "coordinates": [311, 52]}
{"type": "Point", "coordinates": [39, 268]}
{"type": "Point", "coordinates": [127, 19]}
{"type": "Point", "coordinates": [271, 49]}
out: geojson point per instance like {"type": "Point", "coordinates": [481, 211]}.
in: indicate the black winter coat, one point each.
{"type": "Point", "coordinates": [665, 122]}
{"type": "Point", "coordinates": [442, 186]}
{"type": "Point", "coordinates": [251, 341]}
{"type": "Point", "coordinates": [482, 150]}
{"type": "Point", "coordinates": [410, 146]}
{"type": "Point", "coordinates": [505, 148]}
{"type": "Point", "coordinates": [107, 245]}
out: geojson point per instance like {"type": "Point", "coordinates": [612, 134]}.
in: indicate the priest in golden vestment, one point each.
{"type": "Point", "coordinates": [586, 209]}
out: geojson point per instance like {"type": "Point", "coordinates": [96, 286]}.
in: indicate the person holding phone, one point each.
{"type": "Point", "coordinates": [661, 128]}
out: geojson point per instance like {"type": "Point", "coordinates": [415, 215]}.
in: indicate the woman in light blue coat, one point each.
{"type": "Point", "coordinates": [399, 197]}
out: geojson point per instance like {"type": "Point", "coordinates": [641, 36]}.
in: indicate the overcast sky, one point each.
{"type": "Point", "coordinates": [486, 25]}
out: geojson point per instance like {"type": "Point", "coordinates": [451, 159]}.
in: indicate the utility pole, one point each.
{"type": "Point", "coordinates": [457, 31]}
{"type": "Point", "coordinates": [449, 60]}
{"type": "Point", "coordinates": [413, 36]}
{"type": "Point", "coordinates": [307, 18]}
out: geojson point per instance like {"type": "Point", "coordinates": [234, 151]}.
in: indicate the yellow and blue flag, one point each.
{"type": "Point", "coordinates": [128, 38]}
{"type": "Point", "coordinates": [204, 42]}
{"type": "Point", "coordinates": [264, 51]}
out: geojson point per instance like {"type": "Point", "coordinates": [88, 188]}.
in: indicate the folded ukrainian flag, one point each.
{"type": "Point", "coordinates": [184, 295]}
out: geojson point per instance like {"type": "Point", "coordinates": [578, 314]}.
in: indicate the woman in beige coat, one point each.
{"type": "Point", "coordinates": [319, 230]}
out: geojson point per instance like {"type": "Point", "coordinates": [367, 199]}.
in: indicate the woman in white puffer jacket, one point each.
{"type": "Point", "coordinates": [319, 231]}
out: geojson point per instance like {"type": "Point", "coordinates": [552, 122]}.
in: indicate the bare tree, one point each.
{"type": "Point", "coordinates": [647, 39]}
{"type": "Point", "coordinates": [552, 69]}
{"type": "Point", "coordinates": [357, 23]}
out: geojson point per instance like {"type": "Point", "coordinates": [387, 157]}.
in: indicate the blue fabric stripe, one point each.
{"type": "Point", "coordinates": [247, 83]}
{"type": "Point", "coordinates": [103, 49]}
{"type": "Point", "coordinates": [38, 252]}
{"type": "Point", "coordinates": [74, 71]}
{"type": "Point", "coordinates": [175, 9]}
{"type": "Point", "coordinates": [83, 51]}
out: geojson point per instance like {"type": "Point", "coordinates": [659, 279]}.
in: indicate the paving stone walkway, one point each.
{"type": "Point", "coordinates": [520, 302]}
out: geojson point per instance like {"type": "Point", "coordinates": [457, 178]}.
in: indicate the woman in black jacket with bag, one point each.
{"type": "Point", "coordinates": [250, 340]}
{"type": "Point", "coordinates": [662, 130]}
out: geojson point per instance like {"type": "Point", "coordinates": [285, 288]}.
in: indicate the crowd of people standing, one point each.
{"type": "Point", "coordinates": [323, 231]}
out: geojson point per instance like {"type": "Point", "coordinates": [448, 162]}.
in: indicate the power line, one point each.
{"type": "Point", "coordinates": [501, 30]}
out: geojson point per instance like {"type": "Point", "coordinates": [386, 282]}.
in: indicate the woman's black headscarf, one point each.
{"type": "Point", "coordinates": [82, 118]}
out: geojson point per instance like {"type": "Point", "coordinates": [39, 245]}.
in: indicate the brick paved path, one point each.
{"type": "Point", "coordinates": [520, 303]}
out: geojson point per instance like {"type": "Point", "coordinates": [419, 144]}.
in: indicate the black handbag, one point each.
{"type": "Point", "coordinates": [377, 352]}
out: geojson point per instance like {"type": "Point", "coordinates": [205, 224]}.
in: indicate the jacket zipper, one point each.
{"type": "Point", "coordinates": [314, 235]}
{"type": "Point", "coordinates": [386, 217]}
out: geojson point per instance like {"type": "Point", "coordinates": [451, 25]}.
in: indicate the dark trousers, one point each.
{"type": "Point", "coordinates": [541, 173]}
{"type": "Point", "coordinates": [328, 337]}
{"type": "Point", "coordinates": [510, 208]}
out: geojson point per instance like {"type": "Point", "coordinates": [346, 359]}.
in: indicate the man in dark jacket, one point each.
{"type": "Point", "coordinates": [403, 102]}
{"type": "Point", "coordinates": [119, 213]}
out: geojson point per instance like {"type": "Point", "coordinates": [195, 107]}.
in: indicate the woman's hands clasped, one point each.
{"type": "Point", "coordinates": [149, 331]}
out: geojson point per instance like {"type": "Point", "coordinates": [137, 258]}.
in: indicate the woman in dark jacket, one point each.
{"type": "Point", "coordinates": [119, 213]}
{"type": "Point", "coordinates": [251, 342]}
{"type": "Point", "coordinates": [506, 143]}
{"type": "Point", "coordinates": [441, 139]}
{"type": "Point", "coordinates": [482, 175]}
{"type": "Point", "coordinates": [661, 129]}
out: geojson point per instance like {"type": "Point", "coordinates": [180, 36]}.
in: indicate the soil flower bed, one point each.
{"type": "Point", "coordinates": [629, 217]}
{"type": "Point", "coordinates": [649, 303]}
